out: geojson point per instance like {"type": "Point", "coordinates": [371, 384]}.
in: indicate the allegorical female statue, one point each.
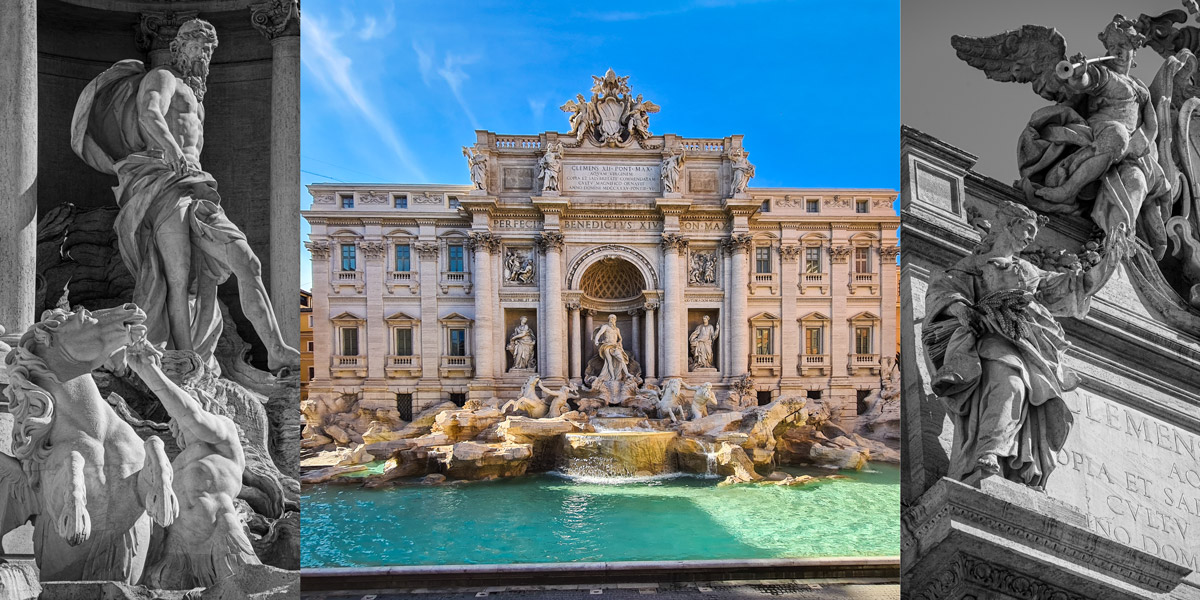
{"type": "Point", "coordinates": [997, 351]}
{"type": "Point", "coordinates": [521, 345]}
{"type": "Point", "coordinates": [701, 341]}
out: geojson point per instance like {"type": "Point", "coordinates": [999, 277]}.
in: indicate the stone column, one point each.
{"type": "Point", "coordinates": [279, 21]}
{"type": "Point", "coordinates": [576, 341]}
{"type": "Point", "coordinates": [651, 348]}
{"type": "Point", "coordinates": [674, 365]}
{"type": "Point", "coordinates": [483, 243]}
{"type": "Point", "coordinates": [634, 346]}
{"type": "Point", "coordinates": [322, 332]}
{"type": "Point", "coordinates": [739, 326]}
{"type": "Point", "coordinates": [552, 337]}
{"type": "Point", "coordinates": [429, 387]}
{"type": "Point", "coordinates": [589, 327]}
{"type": "Point", "coordinates": [790, 335]}
{"type": "Point", "coordinates": [155, 31]}
{"type": "Point", "coordinates": [888, 285]}
{"type": "Point", "coordinates": [376, 346]}
{"type": "Point", "coordinates": [18, 163]}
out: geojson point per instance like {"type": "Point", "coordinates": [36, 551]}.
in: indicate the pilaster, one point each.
{"type": "Point", "coordinates": [738, 246]}
{"type": "Point", "coordinates": [18, 163]}
{"type": "Point", "coordinates": [551, 243]}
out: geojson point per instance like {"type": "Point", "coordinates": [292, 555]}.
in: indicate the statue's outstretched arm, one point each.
{"type": "Point", "coordinates": [210, 428]}
{"type": "Point", "coordinates": [153, 103]}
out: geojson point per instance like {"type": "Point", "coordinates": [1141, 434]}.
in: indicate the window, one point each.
{"type": "Point", "coordinates": [764, 397]}
{"type": "Point", "coordinates": [458, 342]}
{"type": "Point", "coordinates": [862, 340]}
{"type": "Point", "coordinates": [456, 259]}
{"type": "Point", "coordinates": [766, 206]}
{"type": "Point", "coordinates": [404, 404]}
{"type": "Point", "coordinates": [312, 373]}
{"type": "Point", "coordinates": [762, 341]}
{"type": "Point", "coordinates": [310, 320]}
{"type": "Point", "coordinates": [812, 260]}
{"type": "Point", "coordinates": [814, 394]}
{"type": "Point", "coordinates": [762, 259]}
{"type": "Point", "coordinates": [453, 201]}
{"type": "Point", "coordinates": [812, 206]}
{"type": "Point", "coordinates": [862, 206]}
{"type": "Point", "coordinates": [458, 399]}
{"type": "Point", "coordinates": [348, 257]}
{"type": "Point", "coordinates": [862, 260]}
{"type": "Point", "coordinates": [310, 346]}
{"type": "Point", "coordinates": [813, 336]}
{"type": "Point", "coordinates": [404, 341]}
{"type": "Point", "coordinates": [349, 341]}
{"type": "Point", "coordinates": [348, 201]}
{"type": "Point", "coordinates": [862, 400]}
{"type": "Point", "coordinates": [400, 200]}
{"type": "Point", "coordinates": [403, 257]}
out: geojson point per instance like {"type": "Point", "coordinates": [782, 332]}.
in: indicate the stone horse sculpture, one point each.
{"type": "Point", "coordinates": [529, 402]}
{"type": "Point", "coordinates": [80, 472]}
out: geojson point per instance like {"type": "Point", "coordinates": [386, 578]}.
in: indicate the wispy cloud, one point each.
{"type": "Point", "coordinates": [374, 28]}
{"type": "Point", "coordinates": [333, 70]}
{"type": "Point", "coordinates": [451, 72]}
{"type": "Point", "coordinates": [538, 108]}
{"type": "Point", "coordinates": [621, 16]}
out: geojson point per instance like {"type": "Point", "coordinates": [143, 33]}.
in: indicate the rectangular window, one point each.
{"type": "Point", "coordinates": [762, 259]}
{"type": "Point", "coordinates": [862, 260]}
{"type": "Point", "coordinates": [310, 320]}
{"type": "Point", "coordinates": [310, 346]}
{"type": "Point", "coordinates": [862, 206]}
{"type": "Point", "coordinates": [349, 341]}
{"type": "Point", "coordinates": [812, 206]}
{"type": "Point", "coordinates": [456, 259]}
{"type": "Point", "coordinates": [404, 404]}
{"type": "Point", "coordinates": [862, 400]}
{"type": "Point", "coordinates": [349, 256]}
{"type": "Point", "coordinates": [813, 336]}
{"type": "Point", "coordinates": [766, 206]}
{"type": "Point", "coordinates": [348, 201]}
{"type": "Point", "coordinates": [458, 399]}
{"type": "Point", "coordinates": [458, 342]}
{"type": "Point", "coordinates": [312, 373]}
{"type": "Point", "coordinates": [403, 257]}
{"type": "Point", "coordinates": [400, 200]}
{"type": "Point", "coordinates": [453, 202]}
{"type": "Point", "coordinates": [764, 397]}
{"type": "Point", "coordinates": [762, 341]}
{"type": "Point", "coordinates": [812, 260]}
{"type": "Point", "coordinates": [862, 340]}
{"type": "Point", "coordinates": [814, 394]}
{"type": "Point", "coordinates": [404, 341]}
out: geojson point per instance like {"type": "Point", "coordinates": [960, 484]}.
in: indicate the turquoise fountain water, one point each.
{"type": "Point", "coordinates": [543, 518]}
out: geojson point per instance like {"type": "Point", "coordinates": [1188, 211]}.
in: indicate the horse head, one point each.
{"type": "Point", "coordinates": [72, 343]}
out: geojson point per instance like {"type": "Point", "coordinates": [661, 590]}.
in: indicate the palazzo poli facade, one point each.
{"type": "Point", "coordinates": [420, 292]}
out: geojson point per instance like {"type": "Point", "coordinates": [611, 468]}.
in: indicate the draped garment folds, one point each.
{"type": "Point", "coordinates": [105, 133]}
{"type": "Point", "coordinates": [1003, 390]}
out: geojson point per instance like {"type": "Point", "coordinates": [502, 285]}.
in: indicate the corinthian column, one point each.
{"type": "Point", "coordinates": [322, 331]}
{"type": "Point", "coordinates": [576, 341]}
{"type": "Point", "coordinates": [673, 245]}
{"type": "Point", "coordinates": [551, 243]}
{"type": "Point", "coordinates": [279, 21]}
{"type": "Point", "coordinates": [18, 163]}
{"type": "Point", "coordinates": [651, 350]}
{"type": "Point", "coordinates": [155, 31]}
{"type": "Point", "coordinates": [739, 330]}
{"type": "Point", "coordinates": [483, 244]}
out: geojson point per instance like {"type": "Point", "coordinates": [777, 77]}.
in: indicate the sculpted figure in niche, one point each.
{"type": "Point", "coordinates": [207, 542]}
{"type": "Point", "coordinates": [518, 268]}
{"type": "Point", "coordinates": [147, 128]}
{"type": "Point", "coordinates": [521, 345]}
{"type": "Point", "coordinates": [78, 470]}
{"type": "Point", "coordinates": [550, 167]}
{"type": "Point", "coordinates": [701, 341]}
{"type": "Point", "coordinates": [743, 171]}
{"type": "Point", "coordinates": [672, 167]}
{"type": "Point", "coordinates": [477, 161]}
{"type": "Point", "coordinates": [997, 351]}
{"type": "Point", "coordinates": [607, 339]}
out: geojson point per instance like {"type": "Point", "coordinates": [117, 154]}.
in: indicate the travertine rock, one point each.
{"type": "Point", "coordinates": [541, 434]}
{"type": "Point", "coordinates": [733, 462]}
{"type": "Point", "coordinates": [330, 473]}
{"type": "Point", "coordinates": [475, 461]}
{"type": "Point", "coordinates": [464, 425]}
{"type": "Point", "coordinates": [19, 581]}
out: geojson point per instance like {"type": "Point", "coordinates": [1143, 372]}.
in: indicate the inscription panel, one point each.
{"type": "Point", "coordinates": [611, 178]}
{"type": "Point", "coordinates": [1136, 477]}
{"type": "Point", "coordinates": [611, 225]}
{"type": "Point", "coordinates": [702, 181]}
{"type": "Point", "coordinates": [518, 179]}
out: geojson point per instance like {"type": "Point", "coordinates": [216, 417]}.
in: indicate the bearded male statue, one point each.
{"type": "Point", "coordinates": [147, 128]}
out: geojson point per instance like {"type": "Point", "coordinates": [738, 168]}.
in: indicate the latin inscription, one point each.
{"type": "Point", "coordinates": [611, 178]}
{"type": "Point", "coordinates": [611, 225]}
{"type": "Point", "coordinates": [702, 225]}
{"type": "Point", "coordinates": [521, 224]}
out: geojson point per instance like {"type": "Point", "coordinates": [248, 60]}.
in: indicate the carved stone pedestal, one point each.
{"type": "Point", "coordinates": [1002, 540]}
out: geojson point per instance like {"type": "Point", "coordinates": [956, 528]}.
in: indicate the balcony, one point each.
{"type": "Point", "coordinates": [812, 365]}
{"type": "Point", "coordinates": [347, 279]}
{"type": "Point", "coordinates": [814, 283]}
{"type": "Point", "coordinates": [403, 366]}
{"type": "Point", "coordinates": [348, 366]}
{"type": "Point", "coordinates": [866, 282]}
{"type": "Point", "coordinates": [764, 365]}
{"type": "Point", "coordinates": [863, 364]}
{"type": "Point", "coordinates": [453, 279]}
{"type": "Point", "coordinates": [403, 280]}
{"type": "Point", "coordinates": [767, 280]}
{"type": "Point", "coordinates": [456, 366]}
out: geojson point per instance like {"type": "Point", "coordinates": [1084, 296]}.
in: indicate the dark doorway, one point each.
{"type": "Point", "coordinates": [862, 400]}
{"type": "Point", "coordinates": [404, 404]}
{"type": "Point", "coordinates": [458, 399]}
{"type": "Point", "coordinates": [764, 397]}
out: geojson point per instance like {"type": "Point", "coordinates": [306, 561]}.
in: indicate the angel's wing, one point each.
{"type": "Point", "coordinates": [18, 504]}
{"type": "Point", "coordinates": [1025, 55]}
{"type": "Point", "coordinates": [570, 107]}
{"type": "Point", "coordinates": [650, 107]}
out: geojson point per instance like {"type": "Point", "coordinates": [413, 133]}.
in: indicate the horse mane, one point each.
{"type": "Point", "coordinates": [32, 406]}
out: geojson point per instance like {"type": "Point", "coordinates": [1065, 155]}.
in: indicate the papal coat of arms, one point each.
{"type": "Point", "coordinates": [613, 117]}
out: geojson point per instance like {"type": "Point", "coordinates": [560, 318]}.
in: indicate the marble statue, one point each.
{"type": "Point", "coordinates": [638, 117]}
{"type": "Point", "coordinates": [518, 268]}
{"type": "Point", "coordinates": [704, 269]}
{"type": "Point", "coordinates": [743, 171]}
{"type": "Point", "coordinates": [613, 117]}
{"type": "Point", "coordinates": [607, 339]}
{"type": "Point", "coordinates": [550, 167]}
{"type": "Point", "coordinates": [80, 472]}
{"type": "Point", "coordinates": [669, 400]}
{"type": "Point", "coordinates": [701, 342]}
{"type": "Point", "coordinates": [521, 345]}
{"type": "Point", "coordinates": [582, 115]}
{"type": "Point", "coordinates": [997, 352]}
{"type": "Point", "coordinates": [672, 167]}
{"type": "Point", "coordinates": [703, 398]}
{"type": "Point", "coordinates": [559, 400]}
{"type": "Point", "coordinates": [207, 542]}
{"type": "Point", "coordinates": [146, 127]}
{"type": "Point", "coordinates": [529, 401]}
{"type": "Point", "coordinates": [477, 161]}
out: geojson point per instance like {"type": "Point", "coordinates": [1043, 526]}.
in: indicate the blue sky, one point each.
{"type": "Point", "coordinates": [391, 90]}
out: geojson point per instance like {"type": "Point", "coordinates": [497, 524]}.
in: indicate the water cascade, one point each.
{"type": "Point", "coordinates": [617, 454]}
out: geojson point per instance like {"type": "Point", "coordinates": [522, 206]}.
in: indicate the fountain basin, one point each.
{"type": "Point", "coordinates": [618, 454]}
{"type": "Point", "coordinates": [618, 423]}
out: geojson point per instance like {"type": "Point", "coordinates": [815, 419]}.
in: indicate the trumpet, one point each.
{"type": "Point", "coordinates": [1064, 68]}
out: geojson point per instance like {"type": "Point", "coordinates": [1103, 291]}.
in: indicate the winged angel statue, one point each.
{"type": "Point", "coordinates": [1111, 148]}
{"type": "Point", "coordinates": [613, 117]}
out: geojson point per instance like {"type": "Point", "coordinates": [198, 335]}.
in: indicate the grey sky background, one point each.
{"type": "Point", "coordinates": [944, 97]}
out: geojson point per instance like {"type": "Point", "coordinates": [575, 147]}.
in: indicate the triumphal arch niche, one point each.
{"type": "Point", "coordinates": [607, 257]}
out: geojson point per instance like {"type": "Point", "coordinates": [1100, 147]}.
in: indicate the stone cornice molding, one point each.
{"type": "Point", "coordinates": [276, 18]}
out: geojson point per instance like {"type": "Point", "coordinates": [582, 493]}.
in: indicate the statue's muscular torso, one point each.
{"type": "Point", "coordinates": [171, 117]}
